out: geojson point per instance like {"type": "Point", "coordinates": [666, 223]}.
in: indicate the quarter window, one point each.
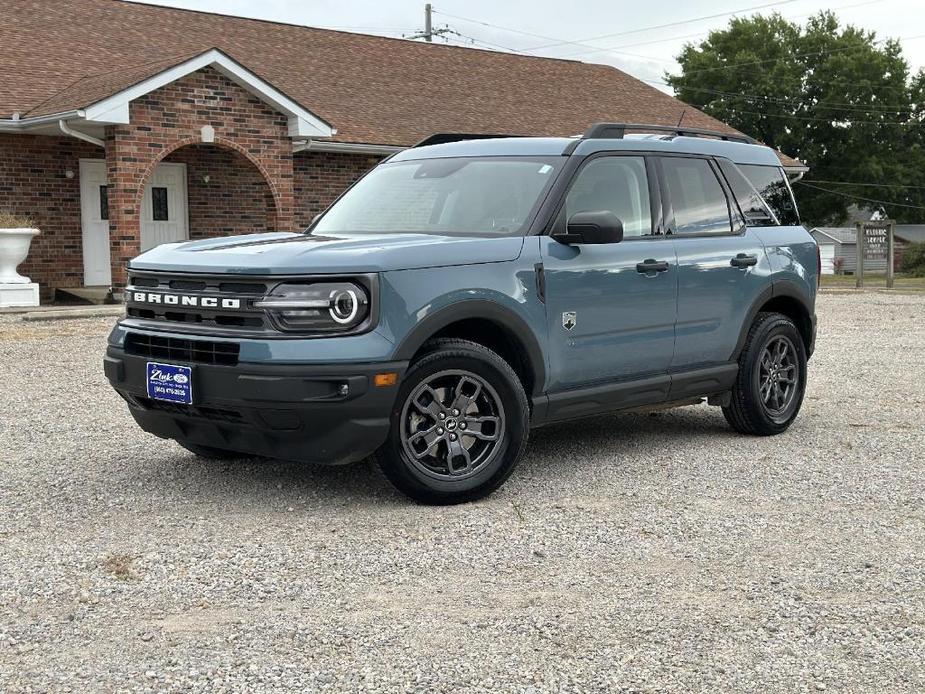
{"type": "Point", "coordinates": [750, 202]}
{"type": "Point", "coordinates": [614, 184]}
{"type": "Point", "coordinates": [770, 182]}
{"type": "Point", "coordinates": [697, 197]}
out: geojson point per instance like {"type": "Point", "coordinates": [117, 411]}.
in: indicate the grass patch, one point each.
{"type": "Point", "coordinates": [873, 282]}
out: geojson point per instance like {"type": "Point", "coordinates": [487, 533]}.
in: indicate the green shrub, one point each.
{"type": "Point", "coordinates": [914, 260]}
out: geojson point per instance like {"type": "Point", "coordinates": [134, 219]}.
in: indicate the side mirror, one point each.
{"type": "Point", "coordinates": [592, 227]}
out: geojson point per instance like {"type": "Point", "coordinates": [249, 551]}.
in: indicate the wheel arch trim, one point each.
{"type": "Point", "coordinates": [778, 289]}
{"type": "Point", "coordinates": [505, 319]}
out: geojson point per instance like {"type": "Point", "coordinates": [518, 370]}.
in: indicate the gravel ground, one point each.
{"type": "Point", "coordinates": [635, 552]}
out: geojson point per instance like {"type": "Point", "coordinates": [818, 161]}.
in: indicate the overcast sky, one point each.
{"type": "Point", "coordinates": [579, 29]}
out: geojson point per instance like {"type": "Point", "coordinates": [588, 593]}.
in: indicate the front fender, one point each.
{"type": "Point", "coordinates": [414, 308]}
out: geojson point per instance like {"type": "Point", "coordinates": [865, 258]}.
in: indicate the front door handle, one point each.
{"type": "Point", "coordinates": [744, 260]}
{"type": "Point", "coordinates": [651, 265]}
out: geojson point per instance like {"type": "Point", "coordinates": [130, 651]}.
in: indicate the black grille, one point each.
{"type": "Point", "coordinates": [244, 318]}
{"type": "Point", "coordinates": [214, 413]}
{"type": "Point", "coordinates": [178, 349]}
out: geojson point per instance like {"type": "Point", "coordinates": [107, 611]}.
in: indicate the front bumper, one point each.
{"type": "Point", "coordinates": [329, 414]}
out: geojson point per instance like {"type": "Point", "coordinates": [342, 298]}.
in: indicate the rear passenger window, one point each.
{"type": "Point", "coordinates": [613, 184]}
{"type": "Point", "coordinates": [697, 198]}
{"type": "Point", "coordinates": [772, 185]}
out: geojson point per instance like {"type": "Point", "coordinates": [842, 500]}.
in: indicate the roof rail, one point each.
{"type": "Point", "coordinates": [443, 138]}
{"type": "Point", "coordinates": [616, 131]}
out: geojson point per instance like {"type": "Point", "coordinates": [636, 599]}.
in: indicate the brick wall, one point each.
{"type": "Point", "coordinates": [321, 176]}
{"type": "Point", "coordinates": [235, 200]}
{"type": "Point", "coordinates": [172, 117]}
{"type": "Point", "coordinates": [33, 182]}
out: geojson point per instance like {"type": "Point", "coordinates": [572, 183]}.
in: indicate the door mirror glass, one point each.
{"type": "Point", "coordinates": [601, 226]}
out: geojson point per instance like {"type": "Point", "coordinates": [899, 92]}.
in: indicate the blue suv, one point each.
{"type": "Point", "coordinates": [462, 293]}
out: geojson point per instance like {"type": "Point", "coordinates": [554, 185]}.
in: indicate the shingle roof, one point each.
{"type": "Point", "coordinates": [59, 53]}
{"type": "Point", "coordinates": [89, 90]}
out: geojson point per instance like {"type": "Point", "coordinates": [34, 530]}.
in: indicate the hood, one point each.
{"type": "Point", "coordinates": [284, 253]}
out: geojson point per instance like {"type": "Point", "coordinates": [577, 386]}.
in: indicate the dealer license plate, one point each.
{"type": "Point", "coordinates": [170, 382]}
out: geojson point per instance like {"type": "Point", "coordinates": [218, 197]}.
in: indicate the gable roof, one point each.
{"type": "Point", "coordinates": [371, 89]}
{"type": "Point", "coordinates": [843, 235]}
{"type": "Point", "coordinates": [106, 97]}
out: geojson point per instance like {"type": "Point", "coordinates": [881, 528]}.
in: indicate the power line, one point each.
{"type": "Point", "coordinates": [862, 185]}
{"type": "Point", "coordinates": [614, 49]}
{"type": "Point", "coordinates": [798, 55]}
{"type": "Point", "coordinates": [582, 42]}
{"type": "Point", "coordinates": [860, 197]}
{"type": "Point", "coordinates": [841, 106]}
{"type": "Point", "coordinates": [541, 36]}
{"type": "Point", "coordinates": [472, 39]}
{"type": "Point", "coordinates": [833, 119]}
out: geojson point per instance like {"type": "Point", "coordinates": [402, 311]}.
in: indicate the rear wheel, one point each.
{"type": "Point", "coordinates": [769, 389]}
{"type": "Point", "coordinates": [459, 425]}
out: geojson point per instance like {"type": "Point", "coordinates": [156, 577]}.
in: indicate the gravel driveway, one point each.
{"type": "Point", "coordinates": [635, 552]}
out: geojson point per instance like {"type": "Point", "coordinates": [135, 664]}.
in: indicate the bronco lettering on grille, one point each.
{"type": "Point", "coordinates": [185, 300]}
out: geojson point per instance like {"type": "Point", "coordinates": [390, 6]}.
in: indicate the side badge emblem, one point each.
{"type": "Point", "coordinates": [569, 319]}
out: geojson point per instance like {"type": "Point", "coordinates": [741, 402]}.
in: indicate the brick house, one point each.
{"type": "Point", "coordinates": [126, 125]}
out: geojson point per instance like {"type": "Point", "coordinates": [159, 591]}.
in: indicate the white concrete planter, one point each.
{"type": "Point", "coordinates": [16, 290]}
{"type": "Point", "coordinates": [14, 247]}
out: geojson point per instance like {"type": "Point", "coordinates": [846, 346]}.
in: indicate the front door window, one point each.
{"type": "Point", "coordinates": [159, 210]}
{"type": "Point", "coordinates": [614, 184]}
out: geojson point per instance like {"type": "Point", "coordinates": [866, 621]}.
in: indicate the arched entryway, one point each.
{"type": "Point", "coordinates": [226, 193]}
{"type": "Point", "coordinates": [203, 191]}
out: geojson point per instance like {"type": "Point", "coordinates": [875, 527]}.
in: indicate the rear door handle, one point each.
{"type": "Point", "coordinates": [744, 260]}
{"type": "Point", "coordinates": [651, 265]}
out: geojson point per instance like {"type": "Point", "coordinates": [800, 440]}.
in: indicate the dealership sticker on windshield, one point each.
{"type": "Point", "coordinates": [170, 382]}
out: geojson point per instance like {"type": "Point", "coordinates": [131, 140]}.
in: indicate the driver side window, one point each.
{"type": "Point", "coordinates": [614, 184]}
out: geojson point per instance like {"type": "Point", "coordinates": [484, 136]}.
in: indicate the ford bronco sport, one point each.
{"type": "Point", "coordinates": [461, 293]}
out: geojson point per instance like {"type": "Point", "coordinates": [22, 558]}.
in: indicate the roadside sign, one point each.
{"type": "Point", "coordinates": [875, 245]}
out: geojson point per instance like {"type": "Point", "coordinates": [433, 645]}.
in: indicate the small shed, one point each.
{"type": "Point", "coordinates": [840, 242]}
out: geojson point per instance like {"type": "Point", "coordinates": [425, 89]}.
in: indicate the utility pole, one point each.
{"type": "Point", "coordinates": [429, 31]}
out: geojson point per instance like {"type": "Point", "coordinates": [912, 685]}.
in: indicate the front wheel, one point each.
{"type": "Point", "coordinates": [769, 389]}
{"type": "Point", "coordinates": [459, 425]}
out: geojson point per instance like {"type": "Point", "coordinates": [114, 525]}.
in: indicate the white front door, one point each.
{"type": "Point", "coordinates": [163, 208]}
{"type": "Point", "coordinates": [163, 215]}
{"type": "Point", "coordinates": [94, 223]}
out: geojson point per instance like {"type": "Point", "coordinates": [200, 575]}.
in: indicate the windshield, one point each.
{"type": "Point", "coordinates": [460, 195]}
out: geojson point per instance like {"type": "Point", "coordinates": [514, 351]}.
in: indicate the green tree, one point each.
{"type": "Point", "coordinates": [835, 97]}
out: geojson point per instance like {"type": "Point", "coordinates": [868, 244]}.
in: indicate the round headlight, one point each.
{"type": "Point", "coordinates": [344, 305]}
{"type": "Point", "coordinates": [317, 307]}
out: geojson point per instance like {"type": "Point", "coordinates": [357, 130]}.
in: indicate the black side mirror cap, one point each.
{"type": "Point", "coordinates": [592, 228]}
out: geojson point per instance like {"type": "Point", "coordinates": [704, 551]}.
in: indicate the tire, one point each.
{"type": "Point", "coordinates": [765, 400]}
{"type": "Point", "coordinates": [435, 456]}
{"type": "Point", "coordinates": [210, 453]}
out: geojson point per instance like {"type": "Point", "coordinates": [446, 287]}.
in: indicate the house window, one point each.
{"type": "Point", "coordinates": [159, 204]}
{"type": "Point", "coordinates": [104, 203]}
